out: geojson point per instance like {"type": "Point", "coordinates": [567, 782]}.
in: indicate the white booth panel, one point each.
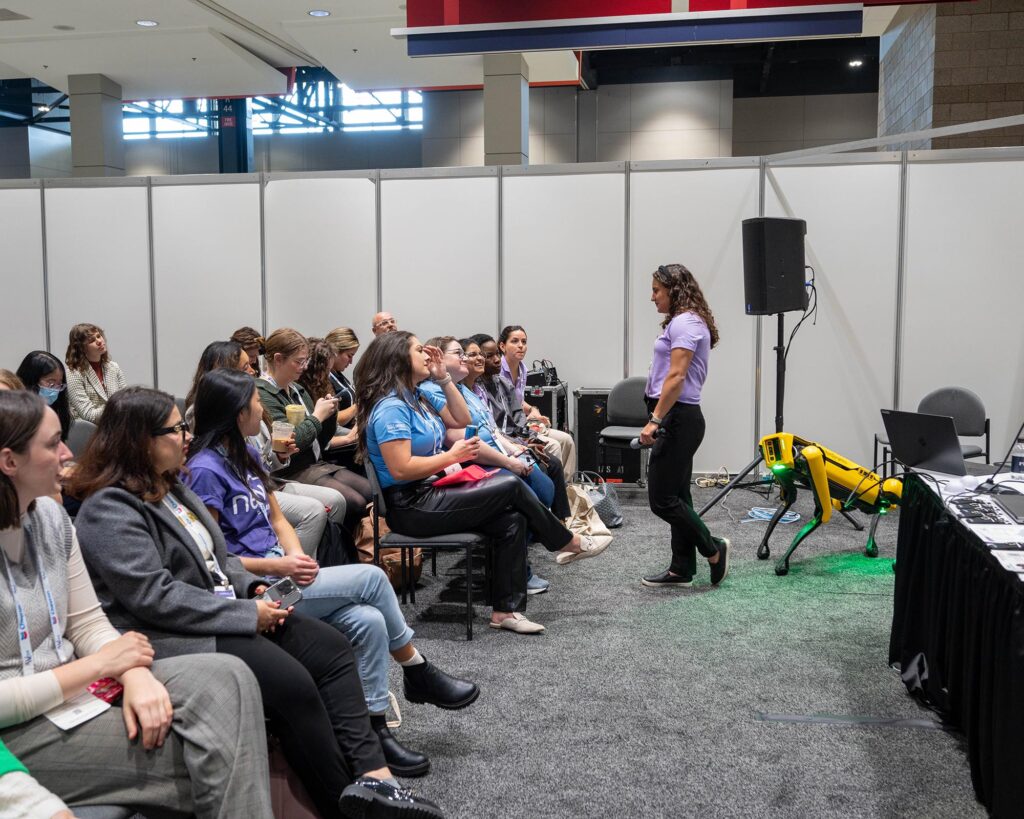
{"type": "Point", "coordinates": [693, 217]}
{"type": "Point", "coordinates": [97, 250]}
{"type": "Point", "coordinates": [963, 278]}
{"type": "Point", "coordinates": [321, 252]}
{"type": "Point", "coordinates": [21, 276]}
{"type": "Point", "coordinates": [564, 272]}
{"type": "Point", "coordinates": [439, 254]}
{"type": "Point", "coordinates": [206, 245]}
{"type": "Point", "coordinates": [839, 372]}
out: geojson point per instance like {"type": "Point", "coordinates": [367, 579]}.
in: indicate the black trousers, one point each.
{"type": "Point", "coordinates": [560, 503]}
{"type": "Point", "coordinates": [668, 485]}
{"type": "Point", "coordinates": [314, 700]}
{"type": "Point", "coordinates": [501, 507]}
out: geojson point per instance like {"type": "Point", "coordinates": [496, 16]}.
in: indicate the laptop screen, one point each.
{"type": "Point", "coordinates": [924, 441]}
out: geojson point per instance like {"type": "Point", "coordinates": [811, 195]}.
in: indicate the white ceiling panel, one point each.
{"type": "Point", "coordinates": [150, 64]}
{"type": "Point", "coordinates": [9, 72]}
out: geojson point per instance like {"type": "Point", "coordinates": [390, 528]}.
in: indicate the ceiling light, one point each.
{"type": "Point", "coordinates": [856, 63]}
{"type": "Point", "coordinates": [43, 109]}
{"type": "Point", "coordinates": [319, 13]}
{"type": "Point", "coordinates": [147, 23]}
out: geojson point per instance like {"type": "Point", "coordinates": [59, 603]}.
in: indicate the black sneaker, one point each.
{"type": "Point", "coordinates": [720, 569]}
{"type": "Point", "coordinates": [369, 798]}
{"type": "Point", "coordinates": [664, 580]}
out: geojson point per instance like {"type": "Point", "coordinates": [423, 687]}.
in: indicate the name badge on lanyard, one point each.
{"type": "Point", "coordinates": [225, 591]}
{"type": "Point", "coordinates": [28, 667]}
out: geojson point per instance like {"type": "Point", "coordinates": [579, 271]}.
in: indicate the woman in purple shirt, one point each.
{"type": "Point", "coordinates": [676, 429]}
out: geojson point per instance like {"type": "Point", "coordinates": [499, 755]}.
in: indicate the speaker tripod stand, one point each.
{"type": "Point", "coordinates": [739, 481]}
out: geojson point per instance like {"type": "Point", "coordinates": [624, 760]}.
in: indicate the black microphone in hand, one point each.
{"type": "Point", "coordinates": [635, 443]}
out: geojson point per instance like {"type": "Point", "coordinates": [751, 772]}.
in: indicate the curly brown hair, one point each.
{"type": "Point", "coordinates": [316, 378]}
{"type": "Point", "coordinates": [685, 295]}
{"type": "Point", "coordinates": [80, 335]}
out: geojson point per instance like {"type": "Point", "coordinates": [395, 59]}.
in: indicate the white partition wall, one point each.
{"type": "Point", "coordinates": [21, 275]}
{"type": "Point", "coordinates": [206, 249]}
{"type": "Point", "coordinates": [692, 216]}
{"type": "Point", "coordinates": [839, 370]}
{"type": "Point", "coordinates": [97, 249]}
{"type": "Point", "coordinates": [563, 274]}
{"type": "Point", "coordinates": [964, 292]}
{"type": "Point", "coordinates": [439, 252]}
{"type": "Point", "coordinates": [321, 253]}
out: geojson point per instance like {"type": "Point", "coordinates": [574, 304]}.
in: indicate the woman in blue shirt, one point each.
{"type": "Point", "coordinates": [403, 436]}
{"type": "Point", "coordinates": [357, 600]}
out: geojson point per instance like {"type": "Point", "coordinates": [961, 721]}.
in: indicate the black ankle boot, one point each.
{"type": "Point", "coordinates": [428, 683]}
{"type": "Point", "coordinates": [401, 760]}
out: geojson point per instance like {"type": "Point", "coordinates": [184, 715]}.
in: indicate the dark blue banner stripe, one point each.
{"type": "Point", "coordinates": [639, 34]}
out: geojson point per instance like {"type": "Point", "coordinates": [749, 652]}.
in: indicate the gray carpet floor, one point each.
{"type": "Point", "coordinates": [672, 702]}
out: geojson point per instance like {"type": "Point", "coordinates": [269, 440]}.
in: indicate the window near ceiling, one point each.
{"type": "Point", "coordinates": [315, 107]}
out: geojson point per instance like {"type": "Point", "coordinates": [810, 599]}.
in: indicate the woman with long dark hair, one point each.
{"type": "Point", "coordinates": [43, 374]}
{"type": "Point", "coordinates": [678, 371]}
{"type": "Point", "coordinates": [402, 434]}
{"type": "Point", "coordinates": [92, 376]}
{"type": "Point", "coordinates": [188, 731]}
{"type": "Point", "coordinates": [306, 507]}
{"type": "Point", "coordinates": [160, 565]}
{"type": "Point", "coordinates": [225, 472]}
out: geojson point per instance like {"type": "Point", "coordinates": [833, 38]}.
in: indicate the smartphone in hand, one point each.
{"type": "Point", "coordinates": [285, 591]}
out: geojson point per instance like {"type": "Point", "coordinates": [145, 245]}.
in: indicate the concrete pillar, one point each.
{"type": "Point", "coordinates": [506, 110]}
{"type": "Point", "coordinates": [14, 153]}
{"type": "Point", "coordinates": [97, 133]}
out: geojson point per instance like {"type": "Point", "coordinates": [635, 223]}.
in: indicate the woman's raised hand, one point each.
{"type": "Point", "coordinates": [435, 363]}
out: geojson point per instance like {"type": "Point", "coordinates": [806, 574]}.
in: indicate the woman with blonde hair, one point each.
{"type": "Point", "coordinates": [288, 354]}
{"type": "Point", "coordinates": [92, 376]}
{"type": "Point", "coordinates": [9, 381]}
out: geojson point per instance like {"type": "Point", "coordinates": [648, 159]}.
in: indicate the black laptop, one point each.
{"type": "Point", "coordinates": [928, 442]}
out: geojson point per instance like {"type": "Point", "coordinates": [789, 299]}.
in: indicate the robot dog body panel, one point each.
{"type": "Point", "coordinates": [835, 483]}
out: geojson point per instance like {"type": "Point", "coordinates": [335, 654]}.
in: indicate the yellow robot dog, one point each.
{"type": "Point", "coordinates": [835, 482]}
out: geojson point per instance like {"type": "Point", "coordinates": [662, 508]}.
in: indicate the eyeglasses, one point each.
{"type": "Point", "coordinates": [181, 426]}
{"type": "Point", "coordinates": [52, 386]}
{"type": "Point", "coordinates": [387, 323]}
{"type": "Point", "coordinates": [300, 362]}
{"type": "Point", "coordinates": [459, 354]}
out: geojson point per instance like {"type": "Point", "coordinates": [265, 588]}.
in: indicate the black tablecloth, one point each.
{"type": "Point", "coordinates": [958, 638]}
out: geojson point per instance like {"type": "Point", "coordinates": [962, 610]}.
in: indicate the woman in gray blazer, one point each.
{"type": "Point", "coordinates": [160, 566]}
{"type": "Point", "coordinates": [92, 376]}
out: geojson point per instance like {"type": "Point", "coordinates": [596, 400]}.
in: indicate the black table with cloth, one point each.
{"type": "Point", "coordinates": [958, 638]}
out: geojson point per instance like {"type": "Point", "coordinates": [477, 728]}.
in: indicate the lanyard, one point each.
{"type": "Point", "coordinates": [298, 400]}
{"type": "Point", "coordinates": [24, 641]}
{"type": "Point", "coordinates": [193, 526]}
{"type": "Point", "coordinates": [341, 386]}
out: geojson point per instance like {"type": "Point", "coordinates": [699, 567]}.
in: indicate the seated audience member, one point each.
{"type": "Point", "coordinates": [252, 342]}
{"type": "Point", "coordinates": [345, 345]}
{"type": "Point", "coordinates": [316, 380]}
{"type": "Point", "coordinates": [507, 411]}
{"type": "Point", "coordinates": [43, 374]}
{"type": "Point", "coordinates": [287, 354]}
{"type": "Point", "coordinates": [382, 323]}
{"type": "Point", "coordinates": [160, 565]}
{"type": "Point", "coordinates": [213, 761]}
{"type": "Point", "coordinates": [9, 381]}
{"type": "Point", "coordinates": [402, 432]}
{"type": "Point", "coordinates": [512, 343]}
{"type": "Point", "coordinates": [357, 600]}
{"type": "Point", "coordinates": [92, 376]}
{"type": "Point", "coordinates": [307, 508]}
{"type": "Point", "coordinates": [23, 796]}
{"type": "Point", "coordinates": [500, 450]}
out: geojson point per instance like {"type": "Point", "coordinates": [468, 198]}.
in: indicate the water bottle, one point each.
{"type": "Point", "coordinates": [1017, 458]}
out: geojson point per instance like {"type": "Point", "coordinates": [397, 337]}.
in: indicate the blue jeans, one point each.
{"type": "Point", "coordinates": [541, 485]}
{"type": "Point", "coordinates": [360, 603]}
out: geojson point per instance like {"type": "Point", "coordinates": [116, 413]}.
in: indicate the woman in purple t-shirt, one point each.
{"type": "Point", "coordinates": [676, 429]}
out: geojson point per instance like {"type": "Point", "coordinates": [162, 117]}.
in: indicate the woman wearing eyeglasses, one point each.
{"type": "Point", "coordinates": [43, 374]}
{"type": "Point", "coordinates": [287, 356]}
{"type": "Point", "coordinates": [160, 565]}
{"type": "Point", "coordinates": [187, 731]}
{"type": "Point", "coordinates": [402, 434]}
{"type": "Point", "coordinates": [678, 370]}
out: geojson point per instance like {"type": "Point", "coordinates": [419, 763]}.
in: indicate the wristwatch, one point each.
{"type": "Point", "coordinates": [656, 420]}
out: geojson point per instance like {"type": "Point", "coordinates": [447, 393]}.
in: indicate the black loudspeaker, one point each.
{"type": "Point", "coordinates": [773, 265]}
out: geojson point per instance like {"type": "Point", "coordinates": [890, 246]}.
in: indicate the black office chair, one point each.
{"type": "Point", "coordinates": [627, 416]}
{"type": "Point", "coordinates": [969, 418]}
{"type": "Point", "coordinates": [467, 541]}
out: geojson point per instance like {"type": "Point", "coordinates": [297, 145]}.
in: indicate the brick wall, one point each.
{"type": "Point", "coordinates": [906, 74]}
{"type": "Point", "coordinates": [979, 69]}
